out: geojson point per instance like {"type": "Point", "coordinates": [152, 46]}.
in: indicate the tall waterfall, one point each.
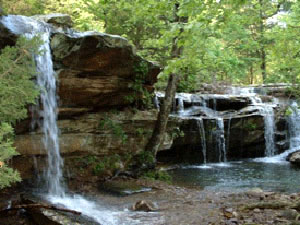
{"type": "Point", "coordinates": [46, 81]}
{"type": "Point", "coordinates": [220, 140]}
{"type": "Point", "coordinates": [268, 112]}
{"type": "Point", "coordinates": [200, 125]}
{"type": "Point", "coordinates": [269, 130]}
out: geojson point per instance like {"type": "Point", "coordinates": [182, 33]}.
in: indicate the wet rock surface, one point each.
{"type": "Point", "coordinates": [294, 158]}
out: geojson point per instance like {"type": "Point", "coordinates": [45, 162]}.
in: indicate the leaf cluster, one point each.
{"type": "Point", "coordinates": [17, 90]}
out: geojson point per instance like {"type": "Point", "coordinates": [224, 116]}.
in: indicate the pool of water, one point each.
{"type": "Point", "coordinates": [240, 175]}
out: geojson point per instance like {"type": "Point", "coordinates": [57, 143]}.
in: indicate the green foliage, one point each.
{"type": "Point", "coordinates": [176, 133]}
{"type": "Point", "coordinates": [221, 42]}
{"type": "Point", "coordinates": [250, 126]}
{"type": "Point", "coordinates": [161, 175]}
{"type": "Point", "coordinates": [17, 67]}
{"type": "Point", "coordinates": [288, 112]}
{"type": "Point", "coordinates": [144, 158]}
{"type": "Point", "coordinates": [115, 127]}
{"type": "Point", "coordinates": [23, 7]}
{"type": "Point", "coordinates": [107, 163]}
{"type": "Point", "coordinates": [7, 151]}
{"type": "Point", "coordinates": [140, 96]}
{"type": "Point", "coordinates": [17, 89]}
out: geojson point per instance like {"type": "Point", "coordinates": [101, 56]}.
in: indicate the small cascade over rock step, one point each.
{"type": "Point", "coordinates": [244, 125]}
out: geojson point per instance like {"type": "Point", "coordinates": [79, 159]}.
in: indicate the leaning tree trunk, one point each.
{"type": "Point", "coordinates": [161, 123]}
{"type": "Point", "coordinates": [162, 119]}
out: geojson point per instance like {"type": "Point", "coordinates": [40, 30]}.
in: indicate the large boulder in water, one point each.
{"type": "Point", "coordinates": [294, 158]}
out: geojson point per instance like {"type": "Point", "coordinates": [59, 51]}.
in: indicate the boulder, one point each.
{"type": "Point", "coordinates": [294, 158]}
{"type": "Point", "coordinates": [98, 70]}
{"type": "Point", "coordinates": [143, 205]}
{"type": "Point", "coordinates": [56, 19]}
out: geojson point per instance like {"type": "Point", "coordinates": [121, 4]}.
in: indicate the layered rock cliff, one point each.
{"type": "Point", "coordinates": [98, 76]}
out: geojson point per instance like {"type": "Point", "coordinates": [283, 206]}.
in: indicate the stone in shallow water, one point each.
{"type": "Point", "coordinates": [294, 158]}
{"type": "Point", "coordinates": [143, 205]}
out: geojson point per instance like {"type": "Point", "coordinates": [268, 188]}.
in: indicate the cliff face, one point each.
{"type": "Point", "coordinates": [96, 72]}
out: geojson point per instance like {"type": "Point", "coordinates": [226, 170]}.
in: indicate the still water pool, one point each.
{"type": "Point", "coordinates": [240, 175]}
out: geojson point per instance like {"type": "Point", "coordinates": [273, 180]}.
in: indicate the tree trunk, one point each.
{"type": "Point", "coordinates": [161, 123]}
{"type": "Point", "coordinates": [251, 75]}
{"type": "Point", "coordinates": [263, 65]}
{"type": "Point", "coordinates": [162, 120]}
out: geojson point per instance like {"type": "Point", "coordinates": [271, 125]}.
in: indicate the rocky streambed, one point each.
{"type": "Point", "coordinates": [170, 204]}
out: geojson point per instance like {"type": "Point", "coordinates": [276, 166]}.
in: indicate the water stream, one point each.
{"type": "Point", "coordinates": [294, 125]}
{"type": "Point", "coordinates": [220, 140]}
{"type": "Point", "coordinates": [201, 128]}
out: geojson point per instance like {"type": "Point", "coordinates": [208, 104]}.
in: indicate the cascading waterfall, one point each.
{"type": "Point", "coordinates": [294, 125]}
{"type": "Point", "coordinates": [268, 113]}
{"type": "Point", "coordinates": [47, 83]}
{"type": "Point", "coordinates": [180, 107]}
{"type": "Point", "coordinates": [269, 123]}
{"type": "Point", "coordinates": [201, 129]}
{"type": "Point", "coordinates": [220, 139]}
{"type": "Point", "coordinates": [228, 134]}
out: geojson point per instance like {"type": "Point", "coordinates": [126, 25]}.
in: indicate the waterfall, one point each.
{"type": "Point", "coordinates": [294, 125]}
{"type": "Point", "coordinates": [180, 107]}
{"type": "Point", "coordinates": [228, 134]}
{"type": "Point", "coordinates": [269, 123]}
{"type": "Point", "coordinates": [46, 81]}
{"type": "Point", "coordinates": [201, 129]}
{"type": "Point", "coordinates": [220, 139]}
{"type": "Point", "coordinates": [268, 113]}
{"type": "Point", "coordinates": [156, 102]}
